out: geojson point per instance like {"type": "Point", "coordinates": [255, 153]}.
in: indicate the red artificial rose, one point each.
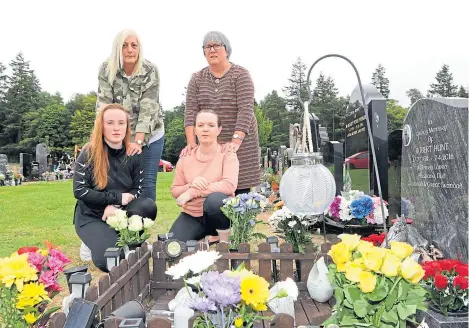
{"type": "Point", "coordinates": [441, 282]}
{"type": "Point", "coordinates": [430, 271]}
{"type": "Point", "coordinates": [30, 249]}
{"type": "Point", "coordinates": [461, 282]}
{"type": "Point", "coordinates": [447, 265]}
{"type": "Point", "coordinates": [462, 270]}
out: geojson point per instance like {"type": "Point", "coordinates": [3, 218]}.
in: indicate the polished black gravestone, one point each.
{"type": "Point", "coordinates": [357, 147]}
{"type": "Point", "coordinates": [333, 159]}
{"type": "Point", "coordinates": [434, 173]}
{"type": "Point", "coordinates": [437, 320]}
{"type": "Point", "coordinates": [394, 172]}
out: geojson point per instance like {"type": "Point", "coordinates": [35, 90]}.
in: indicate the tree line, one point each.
{"type": "Point", "coordinates": [30, 115]}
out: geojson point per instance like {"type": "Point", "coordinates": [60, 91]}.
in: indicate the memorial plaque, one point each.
{"type": "Point", "coordinates": [434, 176]}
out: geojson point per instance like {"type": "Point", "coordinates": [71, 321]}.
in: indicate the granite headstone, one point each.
{"type": "Point", "coordinates": [333, 159]}
{"type": "Point", "coordinates": [394, 172]}
{"type": "Point", "coordinates": [434, 180]}
{"type": "Point", "coordinates": [357, 147]}
{"type": "Point", "coordinates": [41, 157]}
{"type": "Point", "coordinates": [3, 163]}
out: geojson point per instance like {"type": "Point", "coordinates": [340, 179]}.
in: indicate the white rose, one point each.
{"type": "Point", "coordinates": [113, 222]}
{"type": "Point", "coordinates": [291, 224]}
{"type": "Point", "coordinates": [147, 223]}
{"type": "Point", "coordinates": [135, 223]}
{"type": "Point", "coordinates": [122, 223]}
{"type": "Point", "coordinates": [120, 214]}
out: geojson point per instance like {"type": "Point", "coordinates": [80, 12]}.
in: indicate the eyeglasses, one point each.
{"type": "Point", "coordinates": [215, 47]}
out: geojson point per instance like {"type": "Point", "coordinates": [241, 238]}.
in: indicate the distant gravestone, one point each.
{"type": "Point", "coordinates": [434, 180]}
{"type": "Point", "coordinates": [357, 147]}
{"type": "Point", "coordinates": [3, 163]}
{"type": "Point", "coordinates": [394, 172]}
{"type": "Point", "coordinates": [41, 157]}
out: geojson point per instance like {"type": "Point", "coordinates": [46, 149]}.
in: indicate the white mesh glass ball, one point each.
{"type": "Point", "coordinates": [307, 187]}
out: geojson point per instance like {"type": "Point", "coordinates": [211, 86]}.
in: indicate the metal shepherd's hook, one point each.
{"type": "Point", "coordinates": [375, 164]}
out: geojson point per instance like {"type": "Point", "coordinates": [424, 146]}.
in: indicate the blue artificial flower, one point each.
{"type": "Point", "coordinates": [361, 207]}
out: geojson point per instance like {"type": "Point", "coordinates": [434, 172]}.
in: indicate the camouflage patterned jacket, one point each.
{"type": "Point", "coordinates": [139, 95]}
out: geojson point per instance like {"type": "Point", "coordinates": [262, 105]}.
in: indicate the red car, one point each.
{"type": "Point", "coordinates": [358, 160]}
{"type": "Point", "coordinates": [165, 166]}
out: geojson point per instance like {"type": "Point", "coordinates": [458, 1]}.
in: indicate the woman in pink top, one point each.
{"type": "Point", "coordinates": [201, 182]}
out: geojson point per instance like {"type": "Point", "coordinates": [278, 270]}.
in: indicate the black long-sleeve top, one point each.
{"type": "Point", "coordinates": [125, 175]}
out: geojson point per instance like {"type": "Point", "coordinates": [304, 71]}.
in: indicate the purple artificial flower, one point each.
{"type": "Point", "coordinates": [252, 222]}
{"type": "Point", "coordinates": [202, 304]}
{"type": "Point", "coordinates": [220, 288]}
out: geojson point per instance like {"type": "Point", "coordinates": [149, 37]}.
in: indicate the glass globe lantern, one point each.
{"type": "Point", "coordinates": [307, 187]}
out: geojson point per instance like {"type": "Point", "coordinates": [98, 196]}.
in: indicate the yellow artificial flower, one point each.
{"type": "Point", "coordinates": [367, 282]}
{"type": "Point", "coordinates": [16, 270]}
{"type": "Point", "coordinates": [260, 307]}
{"type": "Point", "coordinates": [30, 318]}
{"type": "Point", "coordinates": [360, 262]}
{"type": "Point", "coordinates": [400, 249]}
{"type": "Point", "coordinates": [254, 290]}
{"type": "Point", "coordinates": [391, 265]}
{"type": "Point", "coordinates": [411, 271]}
{"type": "Point", "coordinates": [32, 294]}
{"type": "Point", "coordinates": [340, 253]}
{"type": "Point", "coordinates": [364, 246]}
{"type": "Point", "coordinates": [351, 241]}
{"type": "Point", "coordinates": [238, 322]}
{"type": "Point", "coordinates": [341, 267]}
{"type": "Point", "coordinates": [43, 252]}
{"type": "Point", "coordinates": [373, 258]}
{"type": "Point", "coordinates": [352, 271]}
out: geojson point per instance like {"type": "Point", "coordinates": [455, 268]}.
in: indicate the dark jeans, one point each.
{"type": "Point", "coordinates": [98, 235]}
{"type": "Point", "coordinates": [187, 227]}
{"type": "Point", "coordinates": [151, 163]}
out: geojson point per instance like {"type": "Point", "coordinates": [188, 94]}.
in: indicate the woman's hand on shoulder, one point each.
{"type": "Point", "coordinates": [230, 147]}
{"type": "Point", "coordinates": [187, 150]}
{"type": "Point", "coordinates": [134, 149]}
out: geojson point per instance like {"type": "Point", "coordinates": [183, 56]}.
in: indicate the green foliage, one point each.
{"type": "Point", "coordinates": [414, 95]}
{"type": "Point", "coordinates": [8, 312]}
{"type": "Point", "coordinates": [274, 108]}
{"type": "Point", "coordinates": [392, 303]}
{"type": "Point", "coordinates": [264, 126]}
{"type": "Point", "coordinates": [82, 121]}
{"type": "Point", "coordinates": [462, 92]}
{"type": "Point", "coordinates": [396, 115]}
{"type": "Point", "coordinates": [380, 81]}
{"type": "Point", "coordinates": [444, 86]}
{"type": "Point", "coordinates": [296, 86]}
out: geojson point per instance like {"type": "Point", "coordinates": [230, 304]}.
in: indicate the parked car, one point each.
{"type": "Point", "coordinates": [359, 161]}
{"type": "Point", "coordinates": [165, 166]}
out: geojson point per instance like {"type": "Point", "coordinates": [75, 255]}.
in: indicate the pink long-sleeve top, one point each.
{"type": "Point", "coordinates": [221, 172]}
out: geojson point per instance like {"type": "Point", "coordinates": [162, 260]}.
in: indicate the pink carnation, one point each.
{"type": "Point", "coordinates": [55, 264]}
{"type": "Point", "coordinates": [48, 278]}
{"type": "Point", "coordinates": [36, 260]}
{"type": "Point", "coordinates": [60, 257]}
{"type": "Point", "coordinates": [334, 209]}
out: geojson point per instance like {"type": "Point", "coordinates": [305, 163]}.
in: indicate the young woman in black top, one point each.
{"type": "Point", "coordinates": [105, 179]}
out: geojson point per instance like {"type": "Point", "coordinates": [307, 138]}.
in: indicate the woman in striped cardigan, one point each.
{"type": "Point", "coordinates": [227, 89]}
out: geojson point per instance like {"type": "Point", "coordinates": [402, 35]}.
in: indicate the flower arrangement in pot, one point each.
{"type": "Point", "coordinates": [447, 283]}
{"type": "Point", "coordinates": [28, 282]}
{"type": "Point", "coordinates": [242, 210]}
{"type": "Point", "coordinates": [374, 286]}
{"type": "Point", "coordinates": [226, 299]}
{"type": "Point", "coordinates": [133, 231]}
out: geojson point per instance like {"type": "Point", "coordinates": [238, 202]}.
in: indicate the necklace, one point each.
{"type": "Point", "coordinates": [217, 80]}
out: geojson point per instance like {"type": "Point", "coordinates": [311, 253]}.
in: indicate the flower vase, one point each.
{"type": "Point", "coordinates": [235, 262]}
{"type": "Point", "coordinates": [319, 287]}
{"type": "Point", "coordinates": [128, 249]}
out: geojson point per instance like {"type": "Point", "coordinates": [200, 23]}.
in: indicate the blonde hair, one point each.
{"type": "Point", "coordinates": [115, 62]}
{"type": "Point", "coordinates": [97, 151]}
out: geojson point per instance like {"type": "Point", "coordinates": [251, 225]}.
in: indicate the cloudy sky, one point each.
{"type": "Point", "coordinates": [66, 41]}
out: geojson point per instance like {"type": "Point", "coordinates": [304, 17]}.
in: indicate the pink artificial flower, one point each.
{"type": "Point", "coordinates": [36, 260]}
{"type": "Point", "coordinates": [335, 207]}
{"type": "Point", "coordinates": [48, 278]}
{"type": "Point", "coordinates": [60, 257]}
{"type": "Point", "coordinates": [55, 264]}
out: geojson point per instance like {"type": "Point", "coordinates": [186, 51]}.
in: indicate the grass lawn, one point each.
{"type": "Point", "coordinates": [41, 211]}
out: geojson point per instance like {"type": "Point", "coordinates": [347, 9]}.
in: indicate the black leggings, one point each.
{"type": "Point", "coordinates": [98, 236]}
{"type": "Point", "coordinates": [188, 227]}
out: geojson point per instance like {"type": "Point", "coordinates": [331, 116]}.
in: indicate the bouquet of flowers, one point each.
{"type": "Point", "coordinates": [242, 210]}
{"type": "Point", "coordinates": [292, 228]}
{"type": "Point", "coordinates": [447, 282]}
{"type": "Point", "coordinates": [232, 298]}
{"type": "Point", "coordinates": [133, 230]}
{"type": "Point", "coordinates": [28, 282]}
{"type": "Point", "coordinates": [373, 286]}
{"type": "Point", "coordinates": [356, 206]}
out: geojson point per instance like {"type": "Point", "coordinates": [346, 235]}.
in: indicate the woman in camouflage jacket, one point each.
{"type": "Point", "coordinates": [128, 79]}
